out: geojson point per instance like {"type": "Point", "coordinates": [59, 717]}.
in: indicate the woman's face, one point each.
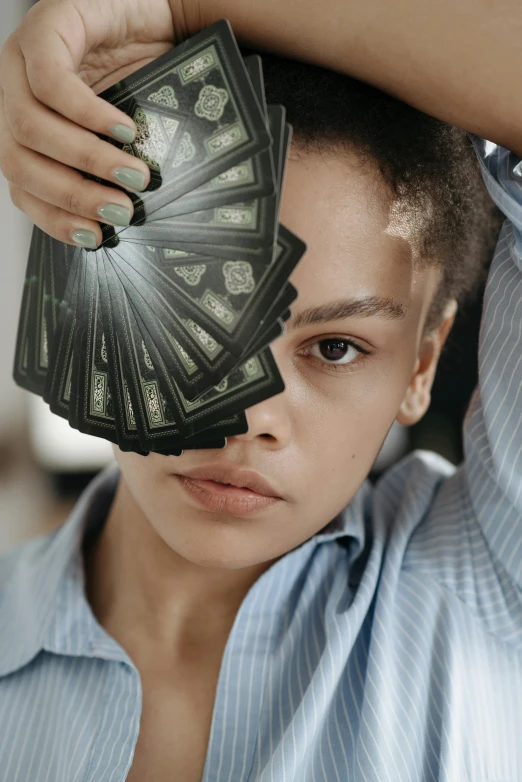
{"type": "Point", "coordinates": [346, 374]}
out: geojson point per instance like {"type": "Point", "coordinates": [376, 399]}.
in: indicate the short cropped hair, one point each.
{"type": "Point", "coordinates": [430, 167]}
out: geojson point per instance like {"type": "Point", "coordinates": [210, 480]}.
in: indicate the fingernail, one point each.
{"type": "Point", "coordinates": [130, 178]}
{"type": "Point", "coordinates": [517, 170]}
{"type": "Point", "coordinates": [123, 133]}
{"type": "Point", "coordinates": [85, 239]}
{"type": "Point", "coordinates": [113, 213]}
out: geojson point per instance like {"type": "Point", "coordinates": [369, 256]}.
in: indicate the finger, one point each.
{"type": "Point", "coordinates": [59, 185]}
{"type": "Point", "coordinates": [62, 225]}
{"type": "Point", "coordinates": [35, 126]}
{"type": "Point", "coordinates": [53, 42]}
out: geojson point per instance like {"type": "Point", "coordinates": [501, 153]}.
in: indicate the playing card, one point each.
{"type": "Point", "coordinates": [140, 379]}
{"type": "Point", "coordinates": [96, 413]}
{"type": "Point", "coordinates": [244, 387]}
{"type": "Point", "coordinates": [82, 322]}
{"type": "Point", "coordinates": [249, 179]}
{"type": "Point", "coordinates": [160, 130]}
{"type": "Point", "coordinates": [192, 356]}
{"type": "Point", "coordinates": [205, 78]}
{"type": "Point", "coordinates": [246, 224]}
{"type": "Point", "coordinates": [280, 308]}
{"type": "Point", "coordinates": [38, 354]}
{"type": "Point", "coordinates": [108, 372]}
{"type": "Point", "coordinates": [186, 357]}
{"type": "Point", "coordinates": [57, 266]}
{"type": "Point", "coordinates": [25, 334]}
{"type": "Point", "coordinates": [57, 391]}
{"type": "Point", "coordinates": [162, 417]}
{"type": "Point", "coordinates": [124, 419]}
{"type": "Point", "coordinates": [229, 300]}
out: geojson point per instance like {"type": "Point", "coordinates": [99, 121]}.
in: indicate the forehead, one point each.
{"type": "Point", "coordinates": [357, 242]}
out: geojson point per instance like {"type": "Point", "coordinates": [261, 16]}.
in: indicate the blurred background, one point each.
{"type": "Point", "coordinates": [44, 464]}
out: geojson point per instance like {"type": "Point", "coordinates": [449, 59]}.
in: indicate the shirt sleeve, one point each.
{"type": "Point", "coordinates": [493, 422]}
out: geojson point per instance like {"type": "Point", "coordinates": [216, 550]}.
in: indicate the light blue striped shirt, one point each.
{"type": "Point", "coordinates": [386, 648]}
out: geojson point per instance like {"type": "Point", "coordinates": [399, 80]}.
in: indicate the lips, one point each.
{"type": "Point", "coordinates": [228, 490]}
{"type": "Point", "coordinates": [233, 476]}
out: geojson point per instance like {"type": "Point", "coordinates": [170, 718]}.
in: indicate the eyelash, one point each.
{"type": "Point", "coordinates": [349, 365]}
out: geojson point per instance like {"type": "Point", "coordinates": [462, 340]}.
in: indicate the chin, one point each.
{"type": "Point", "coordinates": [226, 544]}
{"type": "Point", "coordinates": [213, 559]}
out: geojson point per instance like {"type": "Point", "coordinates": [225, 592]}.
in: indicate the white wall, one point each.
{"type": "Point", "coordinates": [14, 244]}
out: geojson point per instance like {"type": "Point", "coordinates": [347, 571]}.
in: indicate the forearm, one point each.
{"type": "Point", "coordinates": [458, 60]}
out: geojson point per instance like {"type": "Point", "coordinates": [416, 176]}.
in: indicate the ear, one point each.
{"type": "Point", "coordinates": [418, 394]}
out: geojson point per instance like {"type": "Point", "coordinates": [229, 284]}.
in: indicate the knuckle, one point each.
{"type": "Point", "coordinates": [40, 85]}
{"type": "Point", "coordinates": [57, 227]}
{"type": "Point", "coordinates": [23, 129]}
{"type": "Point", "coordinates": [83, 115]}
{"type": "Point", "coordinates": [73, 202]}
{"type": "Point", "coordinates": [10, 167]}
{"type": "Point", "coordinates": [90, 160]}
{"type": "Point", "coordinates": [17, 196]}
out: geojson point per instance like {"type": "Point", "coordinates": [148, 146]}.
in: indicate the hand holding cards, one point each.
{"type": "Point", "coordinates": [159, 339]}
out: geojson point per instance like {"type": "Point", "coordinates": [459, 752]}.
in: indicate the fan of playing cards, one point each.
{"type": "Point", "coordinates": [158, 340]}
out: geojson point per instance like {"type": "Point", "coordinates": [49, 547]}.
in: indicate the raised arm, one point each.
{"type": "Point", "coordinates": [458, 60]}
{"type": "Point", "coordinates": [493, 423]}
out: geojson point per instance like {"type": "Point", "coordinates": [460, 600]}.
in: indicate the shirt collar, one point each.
{"type": "Point", "coordinates": [43, 605]}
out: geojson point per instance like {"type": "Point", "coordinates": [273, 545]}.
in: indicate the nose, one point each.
{"type": "Point", "coordinates": [269, 420]}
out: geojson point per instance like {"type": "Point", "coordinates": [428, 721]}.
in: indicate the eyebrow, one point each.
{"type": "Point", "coordinates": [364, 307]}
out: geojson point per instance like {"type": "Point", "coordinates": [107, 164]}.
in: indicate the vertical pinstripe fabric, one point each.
{"type": "Point", "coordinates": [387, 648]}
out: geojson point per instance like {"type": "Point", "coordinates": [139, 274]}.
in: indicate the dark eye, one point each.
{"type": "Point", "coordinates": [335, 350]}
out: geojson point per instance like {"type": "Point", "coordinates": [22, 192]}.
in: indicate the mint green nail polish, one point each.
{"type": "Point", "coordinates": [113, 213]}
{"type": "Point", "coordinates": [130, 178]}
{"type": "Point", "coordinates": [123, 133]}
{"type": "Point", "coordinates": [85, 239]}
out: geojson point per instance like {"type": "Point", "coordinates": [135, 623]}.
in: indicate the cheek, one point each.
{"type": "Point", "coordinates": [133, 467]}
{"type": "Point", "coordinates": [142, 476]}
{"type": "Point", "coordinates": [343, 421]}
